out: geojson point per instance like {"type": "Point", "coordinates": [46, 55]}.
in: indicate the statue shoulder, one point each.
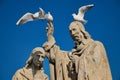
{"type": "Point", "coordinates": [17, 74]}
{"type": "Point", "coordinates": [22, 74]}
{"type": "Point", "coordinates": [99, 42]}
{"type": "Point", "coordinates": [19, 71]}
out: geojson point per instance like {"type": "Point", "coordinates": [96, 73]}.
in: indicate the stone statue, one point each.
{"type": "Point", "coordinates": [33, 69]}
{"type": "Point", "coordinates": [86, 61]}
{"type": "Point", "coordinates": [58, 58]}
{"type": "Point", "coordinates": [88, 57]}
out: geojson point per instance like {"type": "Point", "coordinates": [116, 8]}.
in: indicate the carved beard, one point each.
{"type": "Point", "coordinates": [78, 39]}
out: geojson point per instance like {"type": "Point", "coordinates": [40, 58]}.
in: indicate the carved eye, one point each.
{"type": "Point", "coordinates": [74, 29]}
{"type": "Point", "coordinates": [42, 56]}
{"type": "Point", "coordinates": [38, 55]}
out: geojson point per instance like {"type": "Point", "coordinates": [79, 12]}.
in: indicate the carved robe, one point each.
{"type": "Point", "coordinates": [91, 62]}
{"type": "Point", "coordinates": [27, 74]}
{"type": "Point", "coordinates": [58, 64]}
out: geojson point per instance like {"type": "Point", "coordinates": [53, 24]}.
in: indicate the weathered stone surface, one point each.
{"type": "Point", "coordinates": [86, 61]}
{"type": "Point", "coordinates": [88, 56]}
{"type": "Point", "coordinates": [33, 69]}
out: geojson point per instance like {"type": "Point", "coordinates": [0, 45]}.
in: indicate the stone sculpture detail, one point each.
{"type": "Point", "coordinates": [33, 69]}
{"type": "Point", "coordinates": [86, 61]}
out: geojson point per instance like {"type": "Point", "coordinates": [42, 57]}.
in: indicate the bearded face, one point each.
{"type": "Point", "coordinates": [76, 34]}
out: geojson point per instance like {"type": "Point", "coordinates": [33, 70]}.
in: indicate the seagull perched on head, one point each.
{"type": "Point", "coordinates": [81, 12]}
{"type": "Point", "coordinates": [30, 17]}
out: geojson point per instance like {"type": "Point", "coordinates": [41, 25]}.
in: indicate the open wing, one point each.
{"type": "Point", "coordinates": [25, 18]}
{"type": "Point", "coordinates": [41, 13]}
{"type": "Point", "coordinates": [83, 9]}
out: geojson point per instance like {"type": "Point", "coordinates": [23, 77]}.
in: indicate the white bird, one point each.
{"type": "Point", "coordinates": [49, 17]}
{"type": "Point", "coordinates": [40, 14]}
{"type": "Point", "coordinates": [81, 12]}
{"type": "Point", "coordinates": [30, 17]}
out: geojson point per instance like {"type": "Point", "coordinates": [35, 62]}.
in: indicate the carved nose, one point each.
{"type": "Point", "coordinates": [40, 59]}
{"type": "Point", "coordinates": [72, 33]}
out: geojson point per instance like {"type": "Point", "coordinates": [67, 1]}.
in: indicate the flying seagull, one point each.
{"type": "Point", "coordinates": [30, 17]}
{"type": "Point", "coordinates": [81, 13]}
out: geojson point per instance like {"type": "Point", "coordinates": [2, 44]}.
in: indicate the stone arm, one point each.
{"type": "Point", "coordinates": [50, 38]}
{"type": "Point", "coordinates": [50, 29]}
{"type": "Point", "coordinates": [49, 46]}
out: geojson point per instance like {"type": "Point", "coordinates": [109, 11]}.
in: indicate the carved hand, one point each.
{"type": "Point", "coordinates": [50, 28]}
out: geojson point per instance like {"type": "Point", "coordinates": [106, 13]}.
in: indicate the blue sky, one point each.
{"type": "Point", "coordinates": [18, 42]}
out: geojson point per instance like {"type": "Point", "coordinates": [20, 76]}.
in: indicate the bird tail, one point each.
{"type": "Point", "coordinates": [83, 21]}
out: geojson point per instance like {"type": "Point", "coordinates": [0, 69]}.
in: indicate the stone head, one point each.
{"type": "Point", "coordinates": [77, 31]}
{"type": "Point", "coordinates": [37, 56]}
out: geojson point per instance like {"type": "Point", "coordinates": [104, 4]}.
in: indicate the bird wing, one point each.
{"type": "Point", "coordinates": [83, 9]}
{"type": "Point", "coordinates": [41, 13]}
{"type": "Point", "coordinates": [25, 18]}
